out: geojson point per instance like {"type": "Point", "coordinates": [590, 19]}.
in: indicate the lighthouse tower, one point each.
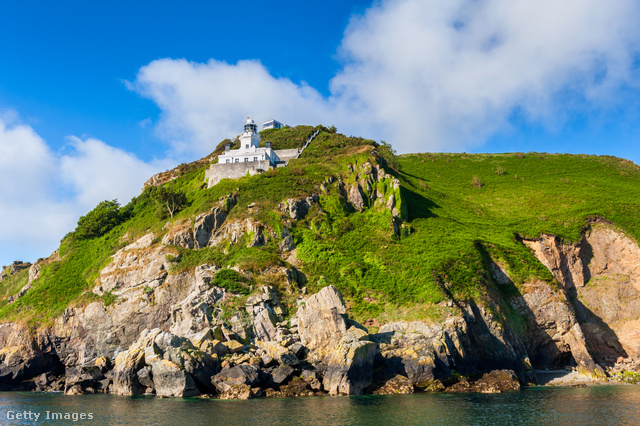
{"type": "Point", "coordinates": [250, 138]}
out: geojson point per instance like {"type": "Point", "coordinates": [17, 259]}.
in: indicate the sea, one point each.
{"type": "Point", "coordinates": [595, 405]}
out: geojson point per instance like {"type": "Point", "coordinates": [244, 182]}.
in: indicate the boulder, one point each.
{"type": "Point", "coordinates": [84, 376]}
{"type": "Point", "coordinates": [296, 387]}
{"type": "Point", "coordinates": [127, 365]}
{"type": "Point", "coordinates": [233, 376]}
{"type": "Point", "coordinates": [233, 346]}
{"type": "Point", "coordinates": [356, 198]}
{"type": "Point", "coordinates": [241, 392]}
{"type": "Point", "coordinates": [281, 374]}
{"type": "Point", "coordinates": [171, 380]}
{"type": "Point", "coordinates": [349, 366]}
{"type": "Point", "coordinates": [312, 379]}
{"type": "Point", "coordinates": [496, 381]}
{"type": "Point", "coordinates": [145, 377]}
{"type": "Point", "coordinates": [176, 366]}
{"type": "Point", "coordinates": [277, 352]}
{"type": "Point", "coordinates": [75, 390]}
{"type": "Point", "coordinates": [322, 322]}
{"type": "Point", "coordinates": [398, 385]}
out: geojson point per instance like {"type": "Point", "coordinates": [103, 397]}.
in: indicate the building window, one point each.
{"type": "Point", "coordinates": [246, 146]}
{"type": "Point", "coordinates": [246, 160]}
{"type": "Point", "coordinates": [237, 160]}
{"type": "Point", "coordinates": [255, 158]}
{"type": "Point", "coordinates": [228, 160]}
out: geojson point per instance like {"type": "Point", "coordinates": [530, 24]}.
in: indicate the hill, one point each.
{"type": "Point", "coordinates": [522, 258]}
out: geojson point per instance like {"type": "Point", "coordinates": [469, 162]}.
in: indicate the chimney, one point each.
{"type": "Point", "coordinates": [227, 147]}
{"type": "Point", "coordinates": [267, 144]}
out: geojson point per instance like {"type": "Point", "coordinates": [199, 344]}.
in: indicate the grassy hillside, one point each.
{"type": "Point", "coordinates": [462, 210]}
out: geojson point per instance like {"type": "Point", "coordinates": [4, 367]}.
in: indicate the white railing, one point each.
{"type": "Point", "coordinates": [306, 144]}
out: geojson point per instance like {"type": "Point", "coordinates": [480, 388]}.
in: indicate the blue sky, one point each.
{"type": "Point", "coordinates": [95, 97]}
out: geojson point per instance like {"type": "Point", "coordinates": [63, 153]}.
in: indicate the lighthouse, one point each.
{"type": "Point", "coordinates": [250, 158]}
{"type": "Point", "coordinates": [250, 137]}
{"type": "Point", "coordinates": [250, 151]}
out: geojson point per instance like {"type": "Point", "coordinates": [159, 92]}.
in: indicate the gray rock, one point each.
{"type": "Point", "coordinates": [298, 208]}
{"type": "Point", "coordinates": [145, 377]}
{"type": "Point", "coordinates": [126, 380]}
{"type": "Point", "coordinates": [356, 198]}
{"type": "Point", "coordinates": [281, 374]}
{"type": "Point", "coordinates": [286, 244]}
{"type": "Point", "coordinates": [239, 375]}
{"type": "Point", "coordinates": [350, 365]}
{"type": "Point", "coordinates": [84, 376]}
{"type": "Point", "coordinates": [170, 380]}
{"type": "Point", "coordinates": [322, 321]}
{"type": "Point", "coordinates": [265, 310]}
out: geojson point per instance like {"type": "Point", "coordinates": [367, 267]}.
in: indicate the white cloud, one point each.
{"type": "Point", "coordinates": [204, 103]}
{"type": "Point", "coordinates": [422, 74]}
{"type": "Point", "coordinates": [459, 68]}
{"type": "Point", "coordinates": [42, 193]}
{"type": "Point", "coordinates": [98, 171]}
{"type": "Point", "coordinates": [30, 217]}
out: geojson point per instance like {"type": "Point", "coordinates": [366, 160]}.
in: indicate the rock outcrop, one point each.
{"type": "Point", "coordinates": [601, 275]}
{"type": "Point", "coordinates": [25, 354]}
{"type": "Point", "coordinates": [177, 367]}
{"type": "Point", "coordinates": [322, 322]}
{"type": "Point", "coordinates": [349, 366]}
{"type": "Point", "coordinates": [343, 349]}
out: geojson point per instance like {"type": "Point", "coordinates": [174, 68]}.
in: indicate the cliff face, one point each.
{"type": "Point", "coordinates": [170, 334]}
{"type": "Point", "coordinates": [601, 276]}
{"type": "Point", "coordinates": [216, 302]}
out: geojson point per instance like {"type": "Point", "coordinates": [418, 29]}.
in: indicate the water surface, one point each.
{"type": "Point", "coordinates": [598, 405]}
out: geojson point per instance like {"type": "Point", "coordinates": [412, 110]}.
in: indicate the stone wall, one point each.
{"type": "Point", "coordinates": [217, 172]}
{"type": "Point", "coordinates": [287, 154]}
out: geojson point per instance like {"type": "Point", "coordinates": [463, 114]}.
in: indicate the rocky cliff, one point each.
{"type": "Point", "coordinates": [300, 289]}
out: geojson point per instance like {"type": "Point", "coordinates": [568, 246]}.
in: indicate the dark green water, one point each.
{"type": "Point", "coordinates": [601, 405]}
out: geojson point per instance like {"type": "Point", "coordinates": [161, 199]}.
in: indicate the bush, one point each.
{"type": "Point", "coordinates": [476, 182]}
{"type": "Point", "coordinates": [99, 221]}
{"type": "Point", "coordinates": [168, 200]}
{"type": "Point", "coordinates": [232, 281]}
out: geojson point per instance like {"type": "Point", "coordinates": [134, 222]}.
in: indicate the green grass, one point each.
{"type": "Point", "coordinates": [286, 138]}
{"type": "Point", "coordinates": [12, 284]}
{"type": "Point", "coordinates": [62, 282]}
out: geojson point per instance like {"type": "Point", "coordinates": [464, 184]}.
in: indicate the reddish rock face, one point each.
{"type": "Point", "coordinates": [602, 273]}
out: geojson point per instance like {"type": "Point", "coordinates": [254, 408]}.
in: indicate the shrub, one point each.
{"type": "Point", "coordinates": [477, 183]}
{"type": "Point", "coordinates": [232, 281]}
{"type": "Point", "coordinates": [169, 200]}
{"type": "Point", "coordinates": [99, 221]}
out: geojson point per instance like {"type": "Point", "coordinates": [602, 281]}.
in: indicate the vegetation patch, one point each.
{"type": "Point", "coordinates": [232, 281]}
{"type": "Point", "coordinates": [12, 285]}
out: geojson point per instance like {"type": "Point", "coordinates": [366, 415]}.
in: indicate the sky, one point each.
{"type": "Point", "coordinates": [96, 97]}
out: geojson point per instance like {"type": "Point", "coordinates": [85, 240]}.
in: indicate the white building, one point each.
{"type": "Point", "coordinates": [250, 149]}
{"type": "Point", "coordinates": [250, 158]}
{"type": "Point", "coordinates": [272, 124]}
